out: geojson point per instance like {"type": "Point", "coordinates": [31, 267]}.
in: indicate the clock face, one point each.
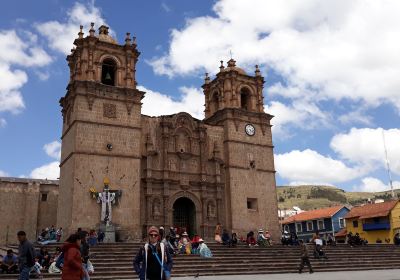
{"type": "Point", "coordinates": [250, 129]}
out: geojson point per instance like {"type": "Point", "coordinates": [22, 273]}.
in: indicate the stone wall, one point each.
{"type": "Point", "coordinates": [26, 204]}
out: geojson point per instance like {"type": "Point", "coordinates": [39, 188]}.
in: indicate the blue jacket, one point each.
{"type": "Point", "coordinates": [139, 263]}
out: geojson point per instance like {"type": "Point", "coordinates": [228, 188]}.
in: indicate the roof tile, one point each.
{"type": "Point", "coordinates": [313, 214]}
{"type": "Point", "coordinates": [372, 210]}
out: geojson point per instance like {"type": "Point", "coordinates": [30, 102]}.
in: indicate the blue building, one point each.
{"type": "Point", "coordinates": [324, 220]}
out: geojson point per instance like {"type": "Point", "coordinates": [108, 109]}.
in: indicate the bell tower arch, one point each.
{"type": "Point", "coordinates": [101, 132]}
{"type": "Point", "coordinates": [250, 190]}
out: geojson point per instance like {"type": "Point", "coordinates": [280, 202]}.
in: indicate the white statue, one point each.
{"type": "Point", "coordinates": [106, 198]}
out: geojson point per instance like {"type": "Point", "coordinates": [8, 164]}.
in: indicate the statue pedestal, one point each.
{"type": "Point", "coordinates": [109, 232]}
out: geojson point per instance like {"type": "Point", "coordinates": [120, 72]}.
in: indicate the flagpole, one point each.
{"type": "Point", "coordinates": [387, 164]}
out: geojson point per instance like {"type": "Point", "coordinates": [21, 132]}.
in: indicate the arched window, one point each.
{"type": "Point", "coordinates": [245, 99]}
{"type": "Point", "coordinates": [108, 70]}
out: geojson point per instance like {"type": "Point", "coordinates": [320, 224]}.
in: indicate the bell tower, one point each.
{"type": "Point", "coordinates": [101, 132]}
{"type": "Point", "coordinates": [234, 100]}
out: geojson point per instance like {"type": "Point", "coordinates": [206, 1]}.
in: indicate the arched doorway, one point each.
{"type": "Point", "coordinates": [184, 215]}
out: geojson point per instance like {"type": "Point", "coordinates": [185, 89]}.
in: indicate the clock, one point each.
{"type": "Point", "coordinates": [250, 129]}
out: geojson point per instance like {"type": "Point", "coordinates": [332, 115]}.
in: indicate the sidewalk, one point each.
{"type": "Point", "coordinates": [392, 274]}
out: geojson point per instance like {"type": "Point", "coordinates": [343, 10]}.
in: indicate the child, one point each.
{"type": "Point", "coordinates": [36, 269]}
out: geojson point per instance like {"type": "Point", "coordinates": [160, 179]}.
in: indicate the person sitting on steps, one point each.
{"type": "Point", "coordinates": [226, 239]}
{"type": "Point", "coordinates": [9, 263]}
{"type": "Point", "coordinates": [250, 240]}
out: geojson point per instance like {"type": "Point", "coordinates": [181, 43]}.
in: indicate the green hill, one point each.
{"type": "Point", "coordinates": [311, 197]}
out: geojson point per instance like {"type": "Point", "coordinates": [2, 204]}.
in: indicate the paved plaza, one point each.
{"type": "Point", "coordinates": [391, 274]}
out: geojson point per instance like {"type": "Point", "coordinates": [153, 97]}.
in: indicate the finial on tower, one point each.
{"type": "Point", "coordinates": [103, 30]}
{"type": "Point", "coordinates": [128, 39]}
{"type": "Point", "coordinates": [134, 41]}
{"type": "Point", "coordinates": [222, 66]}
{"type": "Point", "coordinates": [91, 31]}
{"type": "Point", "coordinates": [206, 79]}
{"type": "Point", "coordinates": [80, 34]}
{"type": "Point", "coordinates": [231, 63]}
{"type": "Point", "coordinates": [258, 72]}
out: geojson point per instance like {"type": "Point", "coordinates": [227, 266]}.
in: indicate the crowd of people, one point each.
{"type": "Point", "coordinates": [154, 259]}
{"type": "Point", "coordinates": [72, 260]}
{"type": "Point", "coordinates": [50, 235]}
{"type": "Point", "coordinates": [355, 240]}
{"type": "Point", "coordinates": [178, 242]}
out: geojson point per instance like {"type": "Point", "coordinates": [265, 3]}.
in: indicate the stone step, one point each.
{"type": "Point", "coordinates": [132, 275]}
{"type": "Point", "coordinates": [108, 264]}
{"type": "Point", "coordinates": [114, 261]}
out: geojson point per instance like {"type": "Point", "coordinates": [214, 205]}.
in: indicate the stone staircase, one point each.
{"type": "Point", "coordinates": [114, 261]}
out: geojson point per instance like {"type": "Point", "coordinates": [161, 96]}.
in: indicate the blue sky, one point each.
{"type": "Point", "coordinates": [331, 70]}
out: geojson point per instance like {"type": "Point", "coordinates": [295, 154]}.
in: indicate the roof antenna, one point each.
{"type": "Point", "coordinates": [230, 52]}
{"type": "Point", "coordinates": [387, 163]}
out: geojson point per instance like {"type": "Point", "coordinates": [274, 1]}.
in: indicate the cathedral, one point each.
{"type": "Point", "coordinates": [171, 170]}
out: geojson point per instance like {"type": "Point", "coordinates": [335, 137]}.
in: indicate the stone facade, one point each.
{"type": "Point", "coordinates": [26, 204]}
{"type": "Point", "coordinates": [172, 170]}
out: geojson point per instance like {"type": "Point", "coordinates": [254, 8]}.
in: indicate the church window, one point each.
{"type": "Point", "coordinates": [252, 203]}
{"type": "Point", "coordinates": [215, 101]}
{"type": "Point", "coordinates": [108, 70]}
{"type": "Point", "coordinates": [244, 98]}
{"type": "Point", "coordinates": [44, 197]}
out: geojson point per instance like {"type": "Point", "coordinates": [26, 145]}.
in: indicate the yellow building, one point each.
{"type": "Point", "coordinates": [377, 223]}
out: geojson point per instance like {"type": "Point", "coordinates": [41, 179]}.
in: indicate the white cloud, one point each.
{"type": "Point", "coordinates": [22, 52]}
{"type": "Point", "coordinates": [3, 122]}
{"type": "Point", "coordinates": [3, 173]}
{"type": "Point", "coordinates": [61, 35]}
{"type": "Point", "coordinates": [53, 149]}
{"type": "Point", "coordinates": [49, 171]}
{"type": "Point", "coordinates": [17, 52]}
{"type": "Point", "coordinates": [310, 167]}
{"type": "Point", "coordinates": [371, 184]}
{"type": "Point", "coordinates": [336, 49]}
{"type": "Point", "coordinates": [364, 146]}
{"type": "Point", "coordinates": [42, 75]}
{"type": "Point", "coordinates": [356, 116]}
{"type": "Point", "coordinates": [156, 103]}
{"type": "Point", "coordinates": [300, 114]}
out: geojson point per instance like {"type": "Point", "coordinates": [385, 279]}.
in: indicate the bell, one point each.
{"type": "Point", "coordinates": [108, 77]}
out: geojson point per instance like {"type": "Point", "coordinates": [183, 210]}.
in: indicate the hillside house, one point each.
{"type": "Point", "coordinates": [324, 220]}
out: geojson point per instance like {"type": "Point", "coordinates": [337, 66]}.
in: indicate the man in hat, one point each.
{"type": "Point", "coordinates": [153, 261]}
{"type": "Point", "coordinates": [261, 239]}
{"type": "Point", "coordinates": [10, 263]}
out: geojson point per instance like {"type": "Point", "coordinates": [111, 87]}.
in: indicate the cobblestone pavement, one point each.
{"type": "Point", "coordinates": [392, 274]}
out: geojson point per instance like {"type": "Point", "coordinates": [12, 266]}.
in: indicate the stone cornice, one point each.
{"type": "Point", "coordinates": [99, 154]}
{"type": "Point", "coordinates": [237, 114]}
{"type": "Point", "coordinates": [249, 143]}
{"type": "Point", "coordinates": [99, 123]}
{"type": "Point", "coordinates": [248, 168]}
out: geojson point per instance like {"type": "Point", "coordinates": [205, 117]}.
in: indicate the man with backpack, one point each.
{"type": "Point", "coordinates": [26, 256]}
{"type": "Point", "coordinates": [153, 261]}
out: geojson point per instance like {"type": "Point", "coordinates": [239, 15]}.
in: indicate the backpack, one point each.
{"type": "Point", "coordinates": [60, 261]}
